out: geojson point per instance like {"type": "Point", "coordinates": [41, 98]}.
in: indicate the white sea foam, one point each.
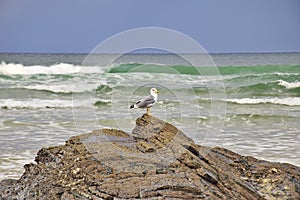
{"type": "Point", "coordinates": [288, 85]}
{"type": "Point", "coordinates": [290, 101]}
{"type": "Point", "coordinates": [62, 68]}
{"type": "Point", "coordinates": [39, 103]}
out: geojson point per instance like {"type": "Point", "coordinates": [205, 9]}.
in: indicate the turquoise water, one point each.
{"type": "Point", "coordinates": [251, 105]}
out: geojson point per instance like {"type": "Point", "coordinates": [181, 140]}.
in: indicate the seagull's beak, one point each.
{"type": "Point", "coordinates": [157, 91]}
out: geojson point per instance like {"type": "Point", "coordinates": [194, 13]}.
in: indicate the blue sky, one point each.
{"type": "Point", "coordinates": [77, 26]}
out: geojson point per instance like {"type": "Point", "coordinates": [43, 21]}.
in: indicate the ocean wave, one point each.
{"type": "Point", "coordinates": [289, 101]}
{"type": "Point", "coordinates": [60, 89]}
{"type": "Point", "coordinates": [34, 103]}
{"type": "Point", "coordinates": [288, 85]}
{"type": "Point", "coordinates": [65, 68]}
{"type": "Point", "coordinates": [279, 70]}
{"type": "Point", "coordinates": [154, 68]}
{"type": "Point", "coordinates": [102, 102]}
{"type": "Point", "coordinates": [62, 68]}
{"type": "Point", "coordinates": [104, 89]}
{"type": "Point", "coordinates": [247, 116]}
{"type": "Point", "coordinates": [6, 77]}
{"type": "Point", "coordinates": [259, 69]}
{"type": "Point", "coordinates": [46, 103]}
{"type": "Point", "coordinates": [68, 88]}
{"type": "Point", "coordinates": [38, 104]}
{"type": "Point", "coordinates": [272, 88]}
{"type": "Point", "coordinates": [259, 77]}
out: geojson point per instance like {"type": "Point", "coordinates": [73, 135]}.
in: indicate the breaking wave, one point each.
{"type": "Point", "coordinates": [62, 68]}
{"type": "Point", "coordinates": [289, 101]}
{"type": "Point", "coordinates": [288, 85]}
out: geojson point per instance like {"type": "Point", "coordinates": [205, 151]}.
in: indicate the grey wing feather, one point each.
{"type": "Point", "coordinates": [143, 103]}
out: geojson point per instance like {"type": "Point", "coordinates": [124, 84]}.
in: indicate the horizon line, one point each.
{"type": "Point", "coordinates": [241, 52]}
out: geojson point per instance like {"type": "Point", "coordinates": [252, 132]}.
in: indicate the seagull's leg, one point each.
{"type": "Point", "coordinates": [148, 111]}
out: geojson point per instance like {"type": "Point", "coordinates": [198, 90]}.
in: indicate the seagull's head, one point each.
{"type": "Point", "coordinates": [153, 91]}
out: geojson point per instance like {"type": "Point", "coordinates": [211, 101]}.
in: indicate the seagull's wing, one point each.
{"type": "Point", "coordinates": [145, 102]}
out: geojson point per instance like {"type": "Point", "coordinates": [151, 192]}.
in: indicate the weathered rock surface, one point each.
{"type": "Point", "coordinates": [156, 161]}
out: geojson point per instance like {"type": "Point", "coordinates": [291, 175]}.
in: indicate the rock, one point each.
{"type": "Point", "coordinates": [156, 161]}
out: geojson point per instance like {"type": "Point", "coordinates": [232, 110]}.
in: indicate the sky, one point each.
{"type": "Point", "coordinates": [77, 26]}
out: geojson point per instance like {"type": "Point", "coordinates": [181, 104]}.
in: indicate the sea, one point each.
{"type": "Point", "coordinates": [246, 102]}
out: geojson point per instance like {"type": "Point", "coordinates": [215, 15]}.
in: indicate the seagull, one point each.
{"type": "Point", "coordinates": [147, 101]}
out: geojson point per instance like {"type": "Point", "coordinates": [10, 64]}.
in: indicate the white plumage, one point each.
{"type": "Point", "coordinates": [147, 101]}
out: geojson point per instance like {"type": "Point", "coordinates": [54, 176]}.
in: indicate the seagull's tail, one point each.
{"type": "Point", "coordinates": [133, 106]}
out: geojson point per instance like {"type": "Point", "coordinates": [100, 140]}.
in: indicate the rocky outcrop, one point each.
{"type": "Point", "coordinates": [156, 161]}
